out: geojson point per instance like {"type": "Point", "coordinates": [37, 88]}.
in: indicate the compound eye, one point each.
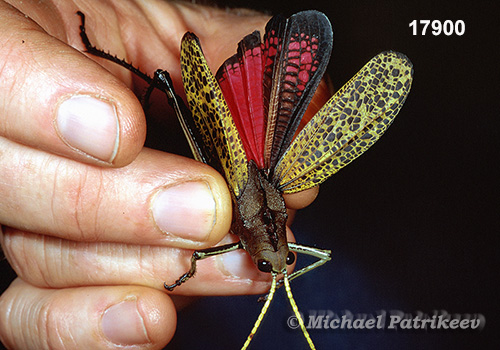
{"type": "Point", "coordinates": [264, 265]}
{"type": "Point", "coordinates": [290, 259]}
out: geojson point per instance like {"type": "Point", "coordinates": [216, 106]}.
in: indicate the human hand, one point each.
{"type": "Point", "coordinates": [92, 222]}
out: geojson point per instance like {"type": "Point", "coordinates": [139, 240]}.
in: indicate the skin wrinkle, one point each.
{"type": "Point", "coordinates": [50, 265]}
{"type": "Point", "coordinates": [44, 256]}
{"type": "Point", "coordinates": [8, 315]}
{"type": "Point", "coordinates": [147, 270]}
{"type": "Point", "coordinates": [20, 259]}
{"type": "Point", "coordinates": [93, 266]}
{"type": "Point", "coordinates": [156, 269]}
{"type": "Point", "coordinates": [78, 200]}
{"type": "Point", "coordinates": [10, 318]}
{"type": "Point", "coordinates": [141, 261]}
{"type": "Point", "coordinates": [83, 195]}
{"type": "Point", "coordinates": [53, 197]}
{"type": "Point", "coordinates": [42, 321]}
{"type": "Point", "coordinates": [124, 254]}
{"type": "Point", "coordinates": [144, 263]}
{"type": "Point", "coordinates": [69, 340]}
{"type": "Point", "coordinates": [65, 260]}
{"type": "Point", "coordinates": [53, 336]}
{"type": "Point", "coordinates": [169, 39]}
{"type": "Point", "coordinates": [99, 203]}
{"type": "Point", "coordinates": [18, 80]}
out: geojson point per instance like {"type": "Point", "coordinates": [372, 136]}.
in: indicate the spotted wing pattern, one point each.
{"type": "Point", "coordinates": [299, 64]}
{"type": "Point", "coordinates": [212, 116]}
{"type": "Point", "coordinates": [348, 124]}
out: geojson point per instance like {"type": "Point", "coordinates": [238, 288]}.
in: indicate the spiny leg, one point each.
{"type": "Point", "coordinates": [200, 255]}
{"type": "Point", "coordinates": [106, 55]}
{"type": "Point", "coordinates": [161, 79]}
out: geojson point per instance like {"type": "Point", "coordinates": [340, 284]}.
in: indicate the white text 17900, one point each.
{"type": "Point", "coordinates": [437, 27]}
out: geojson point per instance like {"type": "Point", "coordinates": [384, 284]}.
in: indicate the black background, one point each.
{"type": "Point", "coordinates": [413, 223]}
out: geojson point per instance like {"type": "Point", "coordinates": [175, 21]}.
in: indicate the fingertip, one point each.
{"type": "Point", "coordinates": [145, 316]}
{"type": "Point", "coordinates": [194, 210]}
{"type": "Point", "coordinates": [97, 117]}
{"type": "Point", "coordinates": [301, 199]}
{"type": "Point", "coordinates": [104, 128]}
{"type": "Point", "coordinates": [65, 103]}
{"type": "Point", "coordinates": [126, 317]}
{"type": "Point", "coordinates": [160, 315]}
{"type": "Point", "coordinates": [223, 208]}
{"type": "Point", "coordinates": [132, 126]}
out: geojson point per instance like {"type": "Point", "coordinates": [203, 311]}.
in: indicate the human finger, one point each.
{"type": "Point", "coordinates": [160, 198]}
{"type": "Point", "coordinates": [63, 103]}
{"type": "Point", "coordinates": [51, 262]}
{"type": "Point", "coordinates": [108, 317]}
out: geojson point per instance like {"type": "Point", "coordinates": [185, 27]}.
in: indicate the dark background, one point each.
{"type": "Point", "coordinates": [413, 223]}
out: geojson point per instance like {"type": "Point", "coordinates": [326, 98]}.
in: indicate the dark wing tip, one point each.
{"type": "Point", "coordinates": [400, 56]}
{"type": "Point", "coordinates": [250, 41]}
{"type": "Point", "coordinates": [318, 18]}
{"type": "Point", "coordinates": [227, 63]}
{"type": "Point", "coordinates": [190, 35]}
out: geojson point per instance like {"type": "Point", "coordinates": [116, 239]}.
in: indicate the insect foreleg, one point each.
{"type": "Point", "coordinates": [200, 255]}
{"type": "Point", "coordinates": [160, 81]}
{"type": "Point", "coordinates": [322, 254]}
{"type": "Point", "coordinates": [93, 50]}
{"type": "Point", "coordinates": [106, 55]}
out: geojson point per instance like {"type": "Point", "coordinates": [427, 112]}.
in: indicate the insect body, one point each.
{"type": "Point", "coordinates": [244, 122]}
{"type": "Point", "coordinates": [248, 115]}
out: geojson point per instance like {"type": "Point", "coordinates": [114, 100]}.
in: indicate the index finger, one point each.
{"type": "Point", "coordinates": [159, 198]}
{"type": "Point", "coordinates": [56, 99]}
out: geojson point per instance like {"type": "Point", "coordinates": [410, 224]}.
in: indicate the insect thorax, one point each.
{"type": "Point", "coordinates": [260, 221]}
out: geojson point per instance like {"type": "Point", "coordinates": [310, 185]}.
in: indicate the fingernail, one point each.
{"type": "Point", "coordinates": [123, 324]}
{"type": "Point", "coordinates": [186, 210]}
{"type": "Point", "coordinates": [238, 264]}
{"type": "Point", "coordinates": [89, 125]}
